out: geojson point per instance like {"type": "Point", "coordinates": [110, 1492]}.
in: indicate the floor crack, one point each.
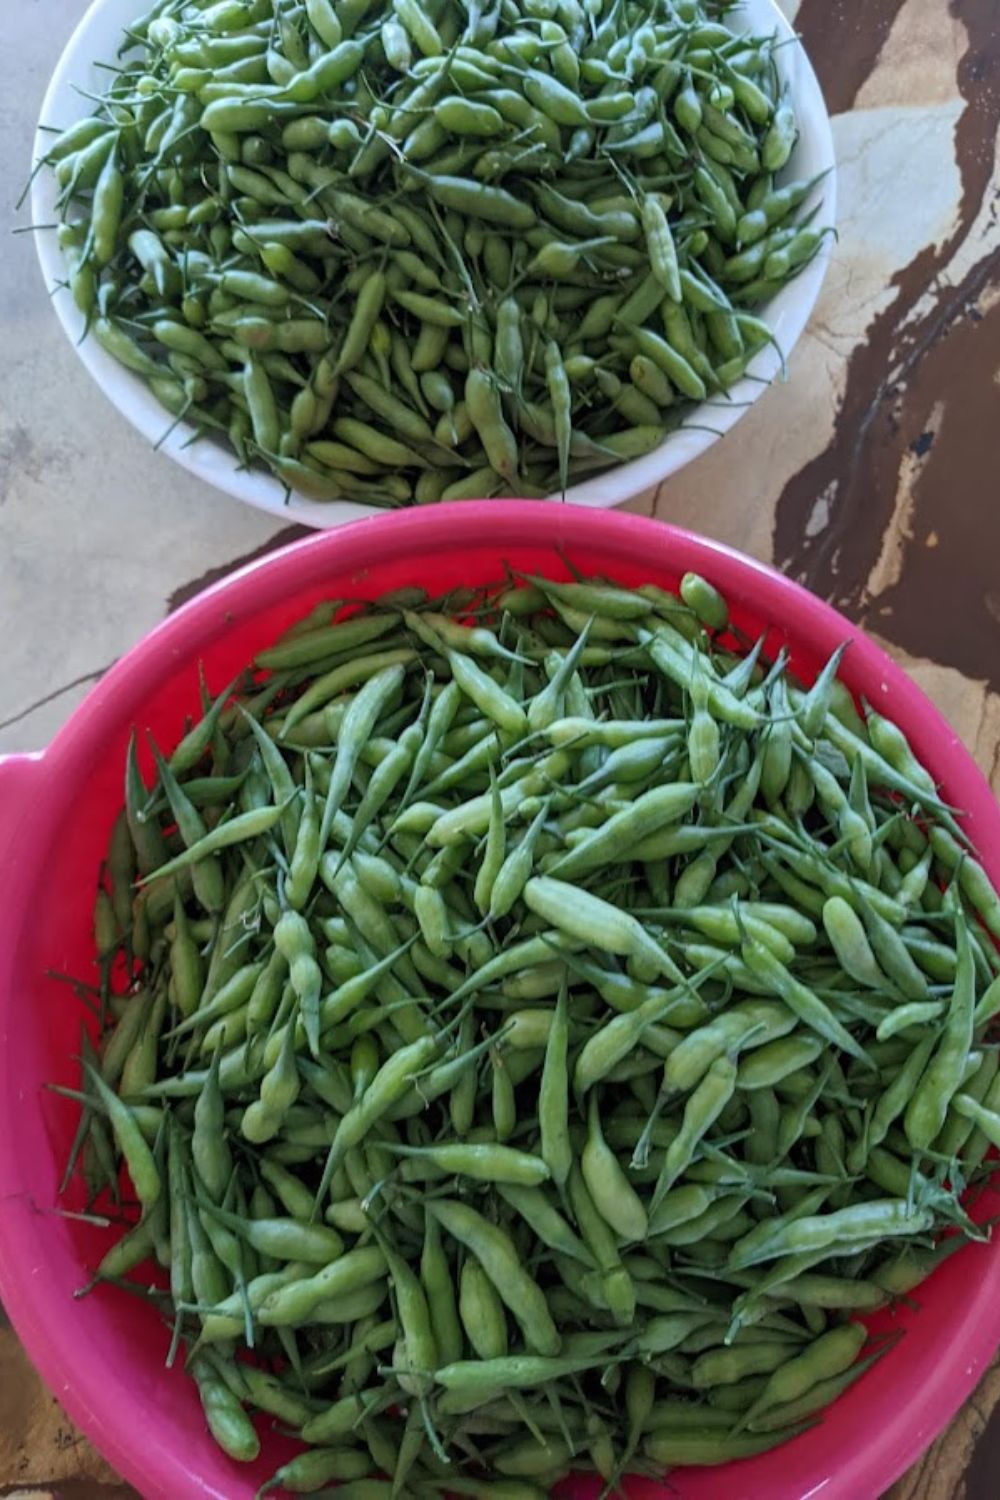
{"type": "Point", "coordinates": [66, 687]}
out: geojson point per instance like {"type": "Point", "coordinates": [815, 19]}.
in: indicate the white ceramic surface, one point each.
{"type": "Point", "coordinates": [97, 39]}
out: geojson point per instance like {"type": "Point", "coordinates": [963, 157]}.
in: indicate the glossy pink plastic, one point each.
{"type": "Point", "coordinates": [103, 1355]}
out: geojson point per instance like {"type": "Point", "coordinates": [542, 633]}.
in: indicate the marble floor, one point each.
{"type": "Point", "coordinates": [870, 476]}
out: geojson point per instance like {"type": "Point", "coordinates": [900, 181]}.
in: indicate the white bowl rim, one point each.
{"type": "Point", "coordinates": [211, 461]}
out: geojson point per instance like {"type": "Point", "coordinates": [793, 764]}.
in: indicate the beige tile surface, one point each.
{"type": "Point", "coordinates": [871, 476]}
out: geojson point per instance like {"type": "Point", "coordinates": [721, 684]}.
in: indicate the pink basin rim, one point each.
{"type": "Point", "coordinates": [900, 1411]}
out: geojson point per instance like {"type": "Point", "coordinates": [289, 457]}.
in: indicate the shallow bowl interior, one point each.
{"type": "Point", "coordinates": [97, 39]}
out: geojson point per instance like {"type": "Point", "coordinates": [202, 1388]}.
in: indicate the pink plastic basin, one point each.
{"type": "Point", "coordinates": [103, 1356]}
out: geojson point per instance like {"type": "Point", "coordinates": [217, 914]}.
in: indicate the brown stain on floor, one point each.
{"type": "Point", "coordinates": [946, 603]}
{"type": "Point", "coordinates": [947, 354]}
{"type": "Point", "coordinates": [843, 39]}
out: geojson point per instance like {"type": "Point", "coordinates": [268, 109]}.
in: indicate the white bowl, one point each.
{"type": "Point", "coordinates": [97, 39]}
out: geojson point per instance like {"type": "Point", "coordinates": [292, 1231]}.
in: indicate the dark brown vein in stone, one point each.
{"type": "Point", "coordinates": [981, 1475]}
{"type": "Point", "coordinates": [844, 39]}
{"type": "Point", "coordinates": [945, 604]}
{"type": "Point", "coordinates": [71, 1489]}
